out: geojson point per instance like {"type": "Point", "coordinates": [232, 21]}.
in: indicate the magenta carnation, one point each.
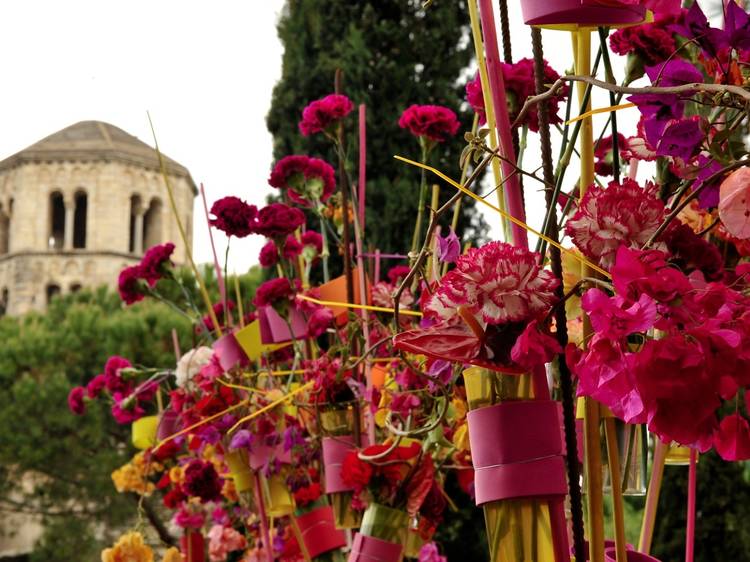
{"type": "Point", "coordinates": [314, 239]}
{"type": "Point", "coordinates": [75, 400]}
{"type": "Point", "coordinates": [435, 122]}
{"type": "Point", "coordinates": [319, 115]}
{"type": "Point", "coordinates": [497, 283]}
{"type": "Point", "coordinates": [652, 43]}
{"type": "Point", "coordinates": [475, 97]}
{"type": "Point", "coordinates": [622, 214]}
{"type": "Point", "coordinates": [272, 291]}
{"type": "Point", "coordinates": [519, 85]}
{"type": "Point", "coordinates": [233, 216]}
{"type": "Point", "coordinates": [292, 248]}
{"type": "Point", "coordinates": [277, 220]}
{"type": "Point", "coordinates": [156, 261]}
{"type": "Point", "coordinates": [129, 284]}
{"type": "Point", "coordinates": [269, 254]}
{"type": "Point", "coordinates": [306, 179]}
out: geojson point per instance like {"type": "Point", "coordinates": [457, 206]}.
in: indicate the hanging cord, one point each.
{"type": "Point", "coordinates": [566, 383]}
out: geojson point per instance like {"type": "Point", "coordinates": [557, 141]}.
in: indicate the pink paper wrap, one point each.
{"type": "Point", "coordinates": [516, 451]}
{"type": "Point", "coordinates": [319, 532]}
{"type": "Point", "coordinates": [274, 329]}
{"type": "Point", "coordinates": [370, 549]}
{"type": "Point", "coordinates": [260, 455]}
{"type": "Point", "coordinates": [229, 352]}
{"type": "Point", "coordinates": [169, 424]}
{"type": "Point", "coordinates": [580, 12]}
{"type": "Point", "coordinates": [334, 451]}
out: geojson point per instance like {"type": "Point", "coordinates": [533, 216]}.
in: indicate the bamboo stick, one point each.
{"type": "Point", "coordinates": [652, 497]}
{"type": "Point", "coordinates": [613, 456]}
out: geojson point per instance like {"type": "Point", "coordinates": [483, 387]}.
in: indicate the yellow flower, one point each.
{"type": "Point", "coordinates": [129, 548]}
{"type": "Point", "coordinates": [172, 555]}
{"type": "Point", "coordinates": [459, 409]}
{"type": "Point", "coordinates": [461, 438]}
{"type": "Point", "coordinates": [176, 475]}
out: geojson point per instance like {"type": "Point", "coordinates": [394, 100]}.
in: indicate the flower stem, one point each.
{"type": "Point", "coordinates": [420, 209]}
{"type": "Point", "coordinates": [325, 253]}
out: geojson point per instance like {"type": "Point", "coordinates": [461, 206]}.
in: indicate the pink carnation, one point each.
{"type": "Point", "coordinates": [652, 43]}
{"type": "Point", "coordinates": [269, 254]}
{"type": "Point", "coordinates": [223, 540]}
{"type": "Point", "coordinates": [318, 322]}
{"type": "Point", "coordinates": [622, 214]}
{"type": "Point", "coordinates": [497, 283]}
{"type": "Point", "coordinates": [96, 385]}
{"type": "Point", "coordinates": [319, 115]}
{"type": "Point", "coordinates": [306, 179]}
{"type": "Point", "coordinates": [434, 122]}
{"type": "Point", "coordinates": [233, 216]}
{"type": "Point", "coordinates": [519, 85]}
{"type": "Point", "coordinates": [292, 248]}
{"type": "Point", "coordinates": [278, 220]}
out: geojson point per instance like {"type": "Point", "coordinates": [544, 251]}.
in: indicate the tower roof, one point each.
{"type": "Point", "coordinates": [87, 141]}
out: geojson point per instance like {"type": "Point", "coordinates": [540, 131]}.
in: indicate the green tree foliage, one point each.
{"type": "Point", "coordinates": [67, 460]}
{"type": "Point", "coordinates": [392, 54]}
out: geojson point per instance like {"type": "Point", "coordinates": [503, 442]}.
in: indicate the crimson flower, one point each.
{"type": "Point", "coordinates": [534, 347]}
{"type": "Point", "coordinates": [604, 154]}
{"type": "Point", "coordinates": [129, 284]}
{"type": "Point", "coordinates": [475, 97]}
{"type": "Point", "coordinates": [233, 216]}
{"type": "Point", "coordinates": [202, 481]}
{"type": "Point", "coordinates": [519, 85]}
{"type": "Point", "coordinates": [312, 239]}
{"type": "Point", "coordinates": [355, 472]}
{"type": "Point", "coordinates": [306, 179]}
{"type": "Point", "coordinates": [732, 438]}
{"type": "Point", "coordinates": [433, 122]}
{"type": "Point", "coordinates": [278, 221]}
{"type": "Point", "coordinates": [651, 43]}
{"type": "Point", "coordinates": [320, 115]}
{"type": "Point", "coordinates": [156, 262]}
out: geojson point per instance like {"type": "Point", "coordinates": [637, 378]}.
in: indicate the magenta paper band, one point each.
{"type": "Point", "coordinates": [581, 12]}
{"type": "Point", "coordinates": [229, 352]}
{"type": "Point", "coordinates": [370, 549]}
{"type": "Point", "coordinates": [632, 556]}
{"type": "Point", "coordinates": [319, 531]}
{"type": "Point", "coordinates": [193, 546]}
{"type": "Point", "coordinates": [274, 329]}
{"type": "Point", "coordinates": [169, 424]}
{"type": "Point", "coordinates": [516, 451]}
{"type": "Point", "coordinates": [335, 450]}
{"type": "Point", "coordinates": [261, 454]}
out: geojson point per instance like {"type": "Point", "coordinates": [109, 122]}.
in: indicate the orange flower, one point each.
{"type": "Point", "coordinates": [129, 548]}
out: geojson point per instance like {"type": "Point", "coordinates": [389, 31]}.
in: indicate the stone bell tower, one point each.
{"type": "Point", "coordinates": [78, 206]}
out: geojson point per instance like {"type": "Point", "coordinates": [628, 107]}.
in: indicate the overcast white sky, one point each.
{"type": "Point", "coordinates": [205, 71]}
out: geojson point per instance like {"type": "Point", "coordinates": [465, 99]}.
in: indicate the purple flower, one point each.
{"type": "Point", "coordinates": [680, 139]}
{"type": "Point", "coordinates": [292, 438]}
{"type": "Point", "coordinates": [709, 195]}
{"type": "Point", "coordinates": [675, 72]}
{"type": "Point", "coordinates": [442, 371]}
{"type": "Point", "coordinates": [403, 403]}
{"type": "Point", "coordinates": [209, 434]}
{"type": "Point", "coordinates": [243, 439]}
{"type": "Point", "coordinates": [737, 27]}
{"type": "Point", "coordinates": [449, 247]}
{"type": "Point", "coordinates": [696, 27]}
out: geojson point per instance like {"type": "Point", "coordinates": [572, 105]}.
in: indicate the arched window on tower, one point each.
{"type": "Point", "coordinates": [152, 227]}
{"type": "Point", "coordinates": [56, 221]}
{"type": "Point", "coordinates": [4, 296]}
{"type": "Point", "coordinates": [53, 290]}
{"type": "Point", "coordinates": [4, 230]}
{"type": "Point", "coordinates": [75, 287]}
{"type": "Point", "coordinates": [135, 240]}
{"type": "Point", "coordinates": [79, 220]}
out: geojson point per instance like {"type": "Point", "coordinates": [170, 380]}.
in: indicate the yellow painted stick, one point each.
{"type": "Point", "coordinates": [271, 406]}
{"type": "Point", "coordinates": [613, 456]}
{"type": "Point", "coordinates": [609, 109]}
{"type": "Point", "coordinates": [652, 497]}
{"type": "Point", "coordinates": [591, 413]}
{"type": "Point", "coordinates": [358, 306]}
{"type": "Point", "coordinates": [489, 110]}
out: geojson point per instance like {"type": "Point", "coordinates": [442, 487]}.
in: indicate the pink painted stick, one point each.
{"type": "Point", "coordinates": [176, 345]}
{"type": "Point", "coordinates": [219, 276]}
{"type": "Point", "coordinates": [377, 266]}
{"type": "Point", "coordinates": [362, 165]}
{"type": "Point", "coordinates": [690, 531]}
{"type": "Point", "coordinates": [512, 186]}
